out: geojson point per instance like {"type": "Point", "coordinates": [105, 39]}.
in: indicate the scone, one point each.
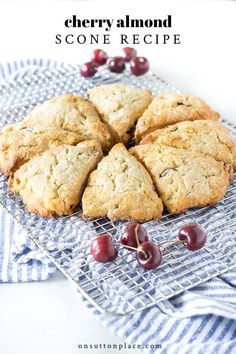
{"type": "Point", "coordinates": [184, 179]}
{"type": "Point", "coordinates": [170, 108]}
{"type": "Point", "coordinates": [53, 182]}
{"type": "Point", "coordinates": [19, 142]}
{"type": "Point", "coordinates": [120, 106]}
{"type": "Point", "coordinates": [206, 136]}
{"type": "Point", "coordinates": [121, 189]}
{"type": "Point", "coordinates": [72, 113]}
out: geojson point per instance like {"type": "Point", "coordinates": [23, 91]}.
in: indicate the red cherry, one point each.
{"type": "Point", "coordinates": [149, 255]}
{"type": "Point", "coordinates": [103, 250]}
{"type": "Point", "coordinates": [194, 235]}
{"type": "Point", "coordinates": [88, 69]}
{"type": "Point", "coordinates": [139, 65]}
{"type": "Point", "coordinates": [116, 64]}
{"type": "Point", "coordinates": [99, 56]}
{"type": "Point", "coordinates": [134, 235]}
{"type": "Point", "coordinates": [129, 53]}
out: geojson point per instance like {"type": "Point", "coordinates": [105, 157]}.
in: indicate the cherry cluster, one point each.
{"type": "Point", "coordinates": [148, 254]}
{"type": "Point", "coordinates": [138, 65]}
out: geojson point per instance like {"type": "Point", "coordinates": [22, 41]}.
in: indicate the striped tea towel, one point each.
{"type": "Point", "coordinates": [201, 320]}
{"type": "Point", "coordinates": [20, 260]}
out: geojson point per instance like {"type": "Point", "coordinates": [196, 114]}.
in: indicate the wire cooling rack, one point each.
{"type": "Point", "coordinates": [120, 287]}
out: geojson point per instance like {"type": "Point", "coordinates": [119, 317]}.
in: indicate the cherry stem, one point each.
{"type": "Point", "coordinates": [177, 241]}
{"type": "Point", "coordinates": [135, 249]}
{"type": "Point", "coordinates": [136, 234]}
{"type": "Point", "coordinates": [126, 246]}
{"type": "Point", "coordinates": [132, 248]}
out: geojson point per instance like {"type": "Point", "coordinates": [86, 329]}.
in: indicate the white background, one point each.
{"type": "Point", "coordinates": [49, 317]}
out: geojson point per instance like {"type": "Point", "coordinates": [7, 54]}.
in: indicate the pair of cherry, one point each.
{"type": "Point", "coordinates": [148, 254]}
{"type": "Point", "coordinates": [138, 65]}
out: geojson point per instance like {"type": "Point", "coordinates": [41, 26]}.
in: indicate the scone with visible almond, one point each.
{"type": "Point", "coordinates": [184, 179]}
{"type": "Point", "coordinates": [209, 137]}
{"type": "Point", "coordinates": [19, 142]}
{"type": "Point", "coordinates": [120, 106]}
{"type": "Point", "coordinates": [170, 108]}
{"type": "Point", "coordinates": [121, 189]}
{"type": "Point", "coordinates": [53, 182]}
{"type": "Point", "coordinates": [72, 113]}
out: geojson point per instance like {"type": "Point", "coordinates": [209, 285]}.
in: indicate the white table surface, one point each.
{"type": "Point", "coordinates": [49, 317]}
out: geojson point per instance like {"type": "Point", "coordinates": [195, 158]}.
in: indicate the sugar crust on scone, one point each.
{"type": "Point", "coordinates": [53, 183]}
{"type": "Point", "coordinates": [209, 137]}
{"type": "Point", "coordinates": [121, 189]}
{"type": "Point", "coordinates": [20, 142]}
{"type": "Point", "coordinates": [72, 113]}
{"type": "Point", "coordinates": [120, 106]}
{"type": "Point", "coordinates": [170, 108]}
{"type": "Point", "coordinates": [184, 179]}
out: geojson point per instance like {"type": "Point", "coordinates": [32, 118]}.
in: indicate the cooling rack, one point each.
{"type": "Point", "coordinates": [120, 287]}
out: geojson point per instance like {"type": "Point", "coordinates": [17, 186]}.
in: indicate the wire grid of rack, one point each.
{"type": "Point", "coordinates": [120, 287]}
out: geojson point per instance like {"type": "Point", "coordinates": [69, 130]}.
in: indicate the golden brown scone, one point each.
{"type": "Point", "coordinates": [121, 189]}
{"type": "Point", "coordinates": [53, 182]}
{"type": "Point", "coordinates": [170, 108]}
{"type": "Point", "coordinates": [209, 137]}
{"type": "Point", "coordinates": [120, 106]}
{"type": "Point", "coordinates": [184, 179]}
{"type": "Point", "coordinates": [19, 142]}
{"type": "Point", "coordinates": [72, 113]}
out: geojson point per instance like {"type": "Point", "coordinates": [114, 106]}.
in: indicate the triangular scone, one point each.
{"type": "Point", "coordinates": [53, 182]}
{"type": "Point", "coordinates": [209, 137]}
{"type": "Point", "coordinates": [72, 113]}
{"type": "Point", "coordinates": [170, 108]}
{"type": "Point", "coordinates": [121, 189]}
{"type": "Point", "coordinates": [20, 142]}
{"type": "Point", "coordinates": [184, 179]}
{"type": "Point", "coordinates": [120, 106]}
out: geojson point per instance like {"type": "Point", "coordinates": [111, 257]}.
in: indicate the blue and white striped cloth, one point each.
{"type": "Point", "coordinates": [201, 320]}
